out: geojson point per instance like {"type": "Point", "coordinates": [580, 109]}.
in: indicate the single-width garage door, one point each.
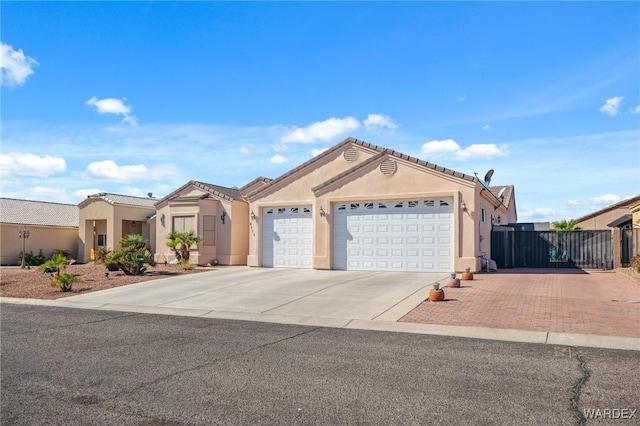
{"type": "Point", "coordinates": [409, 235]}
{"type": "Point", "coordinates": [287, 237]}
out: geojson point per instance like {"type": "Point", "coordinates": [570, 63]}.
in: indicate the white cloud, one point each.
{"type": "Point", "coordinates": [379, 121]}
{"type": "Point", "coordinates": [113, 106]}
{"type": "Point", "coordinates": [596, 202]}
{"type": "Point", "coordinates": [321, 130]}
{"type": "Point", "coordinates": [440, 147]}
{"type": "Point", "coordinates": [110, 171]}
{"type": "Point", "coordinates": [536, 214]}
{"type": "Point", "coordinates": [244, 150]}
{"type": "Point", "coordinates": [84, 193]}
{"type": "Point", "coordinates": [635, 110]}
{"type": "Point", "coordinates": [16, 66]}
{"type": "Point", "coordinates": [24, 164]}
{"type": "Point", "coordinates": [449, 146]}
{"type": "Point", "coordinates": [278, 159]}
{"type": "Point", "coordinates": [461, 98]}
{"type": "Point", "coordinates": [612, 106]}
{"type": "Point", "coordinates": [317, 151]}
{"type": "Point", "coordinates": [486, 128]}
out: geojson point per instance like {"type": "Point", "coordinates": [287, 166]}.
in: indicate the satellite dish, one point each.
{"type": "Point", "coordinates": [487, 177]}
{"type": "Point", "coordinates": [501, 193]}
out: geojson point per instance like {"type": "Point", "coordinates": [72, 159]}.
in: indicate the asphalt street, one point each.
{"type": "Point", "coordinates": [83, 367]}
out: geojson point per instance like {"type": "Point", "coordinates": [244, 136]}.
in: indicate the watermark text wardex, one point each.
{"type": "Point", "coordinates": [610, 413]}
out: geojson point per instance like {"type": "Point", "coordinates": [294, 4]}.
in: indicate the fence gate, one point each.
{"type": "Point", "coordinates": [552, 249]}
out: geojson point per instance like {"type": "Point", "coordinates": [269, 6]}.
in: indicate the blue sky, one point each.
{"type": "Point", "coordinates": [139, 97]}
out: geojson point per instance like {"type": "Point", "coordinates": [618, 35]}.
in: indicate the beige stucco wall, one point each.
{"type": "Point", "coordinates": [599, 222]}
{"type": "Point", "coordinates": [296, 191]}
{"type": "Point", "coordinates": [231, 245]}
{"type": "Point", "coordinates": [410, 181]}
{"type": "Point", "coordinates": [118, 219]}
{"type": "Point", "coordinates": [47, 238]}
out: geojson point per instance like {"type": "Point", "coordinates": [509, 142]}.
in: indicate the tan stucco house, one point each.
{"type": "Point", "coordinates": [619, 217]}
{"type": "Point", "coordinates": [50, 226]}
{"type": "Point", "coordinates": [358, 206]}
{"type": "Point", "coordinates": [219, 215]}
{"type": "Point", "coordinates": [105, 218]}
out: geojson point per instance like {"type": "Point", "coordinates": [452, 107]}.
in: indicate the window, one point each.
{"type": "Point", "coordinates": [209, 230]}
{"type": "Point", "coordinates": [102, 240]}
{"type": "Point", "coordinates": [484, 215]}
{"type": "Point", "coordinates": [183, 223]}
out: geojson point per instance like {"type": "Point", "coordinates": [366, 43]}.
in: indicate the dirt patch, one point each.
{"type": "Point", "coordinates": [35, 284]}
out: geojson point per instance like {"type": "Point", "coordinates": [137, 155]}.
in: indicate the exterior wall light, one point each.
{"type": "Point", "coordinates": [463, 206]}
{"type": "Point", "coordinates": [253, 215]}
{"type": "Point", "coordinates": [322, 212]}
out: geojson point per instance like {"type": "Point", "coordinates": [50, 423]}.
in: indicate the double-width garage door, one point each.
{"type": "Point", "coordinates": [287, 237]}
{"type": "Point", "coordinates": [409, 235]}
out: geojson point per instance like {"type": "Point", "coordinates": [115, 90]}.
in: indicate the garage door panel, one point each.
{"type": "Point", "coordinates": [413, 235]}
{"type": "Point", "coordinates": [287, 237]}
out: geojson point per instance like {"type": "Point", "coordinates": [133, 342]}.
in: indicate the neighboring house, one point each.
{"type": "Point", "coordinates": [105, 218]}
{"type": "Point", "coordinates": [620, 219]}
{"type": "Point", "coordinates": [358, 206]}
{"type": "Point", "coordinates": [218, 215]}
{"type": "Point", "coordinates": [51, 227]}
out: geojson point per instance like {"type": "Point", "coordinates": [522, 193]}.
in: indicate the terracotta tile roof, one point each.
{"type": "Point", "coordinates": [223, 192]}
{"type": "Point", "coordinates": [629, 202]}
{"type": "Point", "coordinates": [26, 212]}
{"type": "Point", "coordinates": [128, 200]}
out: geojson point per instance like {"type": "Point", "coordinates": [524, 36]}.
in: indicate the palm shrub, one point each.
{"type": "Point", "coordinates": [181, 242]}
{"type": "Point", "coordinates": [63, 281]}
{"type": "Point", "coordinates": [133, 257]}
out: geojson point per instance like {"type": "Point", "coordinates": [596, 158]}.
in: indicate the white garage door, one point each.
{"type": "Point", "coordinates": [287, 237]}
{"type": "Point", "coordinates": [410, 235]}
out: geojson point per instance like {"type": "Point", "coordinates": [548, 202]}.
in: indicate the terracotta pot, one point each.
{"type": "Point", "coordinates": [453, 283]}
{"type": "Point", "coordinates": [436, 295]}
{"type": "Point", "coordinates": [467, 276]}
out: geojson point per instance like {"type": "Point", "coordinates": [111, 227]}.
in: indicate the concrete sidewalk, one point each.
{"type": "Point", "coordinates": [548, 307]}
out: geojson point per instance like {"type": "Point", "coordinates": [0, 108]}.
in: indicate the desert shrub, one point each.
{"type": "Point", "coordinates": [184, 264]}
{"type": "Point", "coordinates": [635, 263]}
{"type": "Point", "coordinates": [32, 260]}
{"type": "Point", "coordinates": [181, 242]}
{"type": "Point", "coordinates": [64, 281]}
{"type": "Point", "coordinates": [65, 253]}
{"type": "Point", "coordinates": [133, 257]}
{"type": "Point", "coordinates": [101, 254]}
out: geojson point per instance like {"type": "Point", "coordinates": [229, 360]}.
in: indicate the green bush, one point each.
{"type": "Point", "coordinates": [64, 281]}
{"type": "Point", "coordinates": [134, 256]}
{"type": "Point", "coordinates": [32, 260]}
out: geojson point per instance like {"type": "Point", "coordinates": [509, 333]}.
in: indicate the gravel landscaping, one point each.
{"type": "Point", "coordinates": [35, 284]}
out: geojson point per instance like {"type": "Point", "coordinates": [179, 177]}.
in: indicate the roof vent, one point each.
{"type": "Point", "coordinates": [388, 167]}
{"type": "Point", "coordinates": [350, 154]}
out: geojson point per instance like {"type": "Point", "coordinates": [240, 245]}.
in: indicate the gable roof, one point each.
{"type": "Point", "coordinates": [350, 140]}
{"type": "Point", "coordinates": [223, 192]}
{"type": "Point", "coordinates": [384, 153]}
{"type": "Point", "coordinates": [262, 179]}
{"type": "Point", "coordinates": [126, 200]}
{"type": "Point", "coordinates": [26, 212]}
{"type": "Point", "coordinates": [621, 204]}
{"type": "Point", "coordinates": [507, 195]}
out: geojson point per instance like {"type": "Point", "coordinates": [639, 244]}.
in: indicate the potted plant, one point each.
{"type": "Point", "coordinates": [436, 294]}
{"type": "Point", "coordinates": [467, 274]}
{"type": "Point", "coordinates": [453, 281]}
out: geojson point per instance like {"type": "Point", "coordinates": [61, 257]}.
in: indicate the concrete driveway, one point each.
{"type": "Point", "coordinates": [277, 295]}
